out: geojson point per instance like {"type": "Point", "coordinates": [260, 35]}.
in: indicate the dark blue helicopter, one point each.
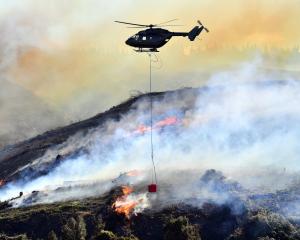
{"type": "Point", "coordinates": [154, 37]}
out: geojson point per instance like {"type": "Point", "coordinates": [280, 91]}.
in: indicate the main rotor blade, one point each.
{"type": "Point", "coordinates": [134, 24]}
{"type": "Point", "coordinates": [170, 25]}
{"type": "Point", "coordinates": [167, 21]}
{"type": "Point", "coordinates": [159, 26]}
{"type": "Point", "coordinates": [136, 27]}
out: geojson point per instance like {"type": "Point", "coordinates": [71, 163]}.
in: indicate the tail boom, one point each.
{"type": "Point", "coordinates": [178, 34]}
{"type": "Point", "coordinates": [195, 32]}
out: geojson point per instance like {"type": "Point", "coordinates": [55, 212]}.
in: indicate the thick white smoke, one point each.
{"type": "Point", "coordinates": [243, 124]}
{"type": "Point", "coordinates": [48, 29]}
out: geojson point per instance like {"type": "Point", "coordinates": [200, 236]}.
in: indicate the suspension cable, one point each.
{"type": "Point", "coordinates": [151, 119]}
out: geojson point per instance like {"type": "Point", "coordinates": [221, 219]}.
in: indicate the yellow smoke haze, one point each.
{"type": "Point", "coordinates": [72, 55]}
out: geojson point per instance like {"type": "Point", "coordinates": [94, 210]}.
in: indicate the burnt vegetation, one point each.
{"type": "Point", "coordinates": [94, 218]}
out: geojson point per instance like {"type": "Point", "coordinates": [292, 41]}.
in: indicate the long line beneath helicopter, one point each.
{"type": "Point", "coordinates": [151, 125]}
{"type": "Point", "coordinates": [149, 41]}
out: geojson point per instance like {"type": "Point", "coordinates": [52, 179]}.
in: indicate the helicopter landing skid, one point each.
{"type": "Point", "coordinates": [146, 50]}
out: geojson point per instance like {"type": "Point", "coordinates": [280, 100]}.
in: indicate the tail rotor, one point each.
{"type": "Point", "coordinates": [201, 25]}
{"type": "Point", "coordinates": [196, 31]}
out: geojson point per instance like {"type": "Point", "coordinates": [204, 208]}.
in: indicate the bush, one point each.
{"type": "Point", "coordinates": [180, 229]}
{"type": "Point", "coordinates": [264, 225]}
{"type": "Point", "coordinates": [128, 238]}
{"type": "Point", "coordinates": [105, 235]}
{"type": "Point", "coordinates": [52, 236]}
{"type": "Point", "coordinates": [74, 229]}
{"type": "Point", "coordinates": [19, 237]}
{"type": "Point", "coordinates": [108, 235]}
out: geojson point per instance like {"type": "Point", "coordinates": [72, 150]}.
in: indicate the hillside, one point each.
{"type": "Point", "coordinates": [18, 155]}
{"type": "Point", "coordinates": [89, 180]}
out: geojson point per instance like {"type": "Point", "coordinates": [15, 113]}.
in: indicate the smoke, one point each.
{"type": "Point", "coordinates": [24, 115]}
{"type": "Point", "coordinates": [243, 123]}
{"type": "Point", "coordinates": [37, 41]}
{"type": "Point", "coordinates": [69, 54]}
{"type": "Point", "coordinates": [21, 110]}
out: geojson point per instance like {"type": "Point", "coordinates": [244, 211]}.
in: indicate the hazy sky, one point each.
{"type": "Point", "coordinates": [71, 55]}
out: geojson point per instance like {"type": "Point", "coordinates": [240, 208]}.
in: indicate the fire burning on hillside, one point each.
{"type": "Point", "coordinates": [2, 182]}
{"type": "Point", "coordinates": [133, 173]}
{"type": "Point", "coordinates": [169, 121]}
{"type": "Point", "coordinates": [208, 130]}
{"type": "Point", "coordinates": [129, 203]}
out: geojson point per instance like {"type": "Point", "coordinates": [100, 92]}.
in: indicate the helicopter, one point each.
{"type": "Point", "coordinates": [154, 37]}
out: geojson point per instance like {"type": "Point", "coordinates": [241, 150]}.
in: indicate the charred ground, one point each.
{"type": "Point", "coordinates": [16, 156]}
{"type": "Point", "coordinates": [178, 221]}
{"type": "Point", "coordinates": [259, 215]}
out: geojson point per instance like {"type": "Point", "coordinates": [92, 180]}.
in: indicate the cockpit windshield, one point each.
{"type": "Point", "coordinates": [136, 36]}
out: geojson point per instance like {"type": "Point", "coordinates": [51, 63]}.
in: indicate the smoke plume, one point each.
{"type": "Point", "coordinates": [69, 55]}
{"type": "Point", "coordinates": [243, 123]}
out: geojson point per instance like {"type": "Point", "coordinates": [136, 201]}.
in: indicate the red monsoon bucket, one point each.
{"type": "Point", "coordinates": [152, 188]}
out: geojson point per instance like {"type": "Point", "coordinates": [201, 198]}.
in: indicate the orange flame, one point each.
{"type": "Point", "coordinates": [166, 122]}
{"type": "Point", "coordinates": [126, 190]}
{"type": "Point", "coordinates": [2, 182]}
{"type": "Point", "coordinates": [133, 173]}
{"type": "Point", "coordinates": [123, 205]}
{"type": "Point", "coordinates": [142, 129]}
{"type": "Point", "coordinates": [160, 124]}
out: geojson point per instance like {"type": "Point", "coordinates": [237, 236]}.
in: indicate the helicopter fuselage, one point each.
{"type": "Point", "coordinates": [152, 38]}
